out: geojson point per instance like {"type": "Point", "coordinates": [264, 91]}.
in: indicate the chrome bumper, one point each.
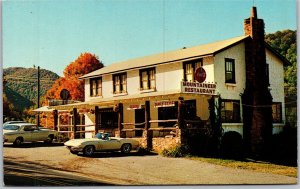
{"type": "Point", "coordinates": [74, 149]}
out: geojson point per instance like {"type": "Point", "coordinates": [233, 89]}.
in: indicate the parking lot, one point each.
{"type": "Point", "coordinates": [41, 161]}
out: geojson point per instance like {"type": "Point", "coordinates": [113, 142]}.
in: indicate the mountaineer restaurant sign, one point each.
{"type": "Point", "coordinates": [198, 87]}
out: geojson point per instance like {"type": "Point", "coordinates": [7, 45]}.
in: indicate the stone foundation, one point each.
{"type": "Point", "coordinates": [161, 143]}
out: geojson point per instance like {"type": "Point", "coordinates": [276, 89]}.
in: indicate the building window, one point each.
{"type": "Point", "coordinates": [96, 86]}
{"type": "Point", "coordinates": [147, 78]}
{"type": "Point", "coordinates": [190, 109]}
{"type": "Point", "coordinates": [229, 70]}
{"type": "Point", "coordinates": [230, 111]}
{"type": "Point", "coordinates": [139, 119]}
{"type": "Point", "coordinates": [165, 113]}
{"type": "Point", "coordinates": [120, 83]}
{"type": "Point", "coordinates": [276, 112]}
{"type": "Point", "coordinates": [190, 67]}
{"type": "Point", "coordinates": [107, 118]}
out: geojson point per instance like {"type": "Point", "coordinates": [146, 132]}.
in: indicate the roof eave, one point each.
{"type": "Point", "coordinates": [148, 66]}
{"type": "Point", "coordinates": [284, 60]}
{"type": "Point", "coordinates": [231, 45]}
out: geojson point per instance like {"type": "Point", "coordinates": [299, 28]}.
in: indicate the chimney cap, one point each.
{"type": "Point", "coordinates": [253, 12]}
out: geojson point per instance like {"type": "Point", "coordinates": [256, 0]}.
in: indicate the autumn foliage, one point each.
{"type": "Point", "coordinates": [84, 64]}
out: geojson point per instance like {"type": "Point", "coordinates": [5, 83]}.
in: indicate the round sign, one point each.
{"type": "Point", "coordinates": [200, 75]}
{"type": "Point", "coordinates": [64, 94]}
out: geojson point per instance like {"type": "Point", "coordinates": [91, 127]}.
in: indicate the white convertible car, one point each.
{"type": "Point", "coordinates": [17, 133]}
{"type": "Point", "coordinates": [101, 142]}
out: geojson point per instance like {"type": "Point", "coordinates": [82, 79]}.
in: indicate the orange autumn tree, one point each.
{"type": "Point", "coordinates": [84, 64]}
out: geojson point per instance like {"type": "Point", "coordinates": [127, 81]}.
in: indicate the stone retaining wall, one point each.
{"type": "Point", "coordinates": [161, 143]}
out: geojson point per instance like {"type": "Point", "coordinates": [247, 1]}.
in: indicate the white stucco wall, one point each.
{"type": "Point", "coordinates": [169, 76]}
{"type": "Point", "coordinates": [231, 91]}
{"type": "Point", "coordinates": [276, 78]}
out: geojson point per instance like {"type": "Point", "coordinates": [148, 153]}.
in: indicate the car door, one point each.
{"type": "Point", "coordinates": [39, 135]}
{"type": "Point", "coordinates": [27, 133]}
{"type": "Point", "coordinates": [111, 144]}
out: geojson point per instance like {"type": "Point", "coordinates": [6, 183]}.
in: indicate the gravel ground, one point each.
{"type": "Point", "coordinates": [135, 169]}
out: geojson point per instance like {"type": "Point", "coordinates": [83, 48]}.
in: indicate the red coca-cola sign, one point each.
{"type": "Point", "coordinates": [200, 75]}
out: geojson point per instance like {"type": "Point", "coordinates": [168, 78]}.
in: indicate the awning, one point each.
{"type": "Point", "coordinates": [43, 109]}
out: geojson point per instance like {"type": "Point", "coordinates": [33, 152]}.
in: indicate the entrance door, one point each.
{"type": "Point", "coordinates": [107, 119]}
{"type": "Point", "coordinates": [139, 118]}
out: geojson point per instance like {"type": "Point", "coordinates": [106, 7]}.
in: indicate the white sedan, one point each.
{"type": "Point", "coordinates": [101, 142]}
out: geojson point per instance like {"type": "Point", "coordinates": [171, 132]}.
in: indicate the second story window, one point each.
{"type": "Point", "coordinates": [120, 83]}
{"type": "Point", "coordinates": [229, 70]}
{"type": "Point", "coordinates": [96, 86]}
{"type": "Point", "coordinates": [147, 79]}
{"type": "Point", "coordinates": [190, 67]}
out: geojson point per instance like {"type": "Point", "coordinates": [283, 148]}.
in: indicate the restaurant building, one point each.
{"type": "Point", "coordinates": [243, 76]}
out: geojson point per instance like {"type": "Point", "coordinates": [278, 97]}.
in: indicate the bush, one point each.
{"type": "Point", "coordinates": [177, 151]}
{"type": "Point", "coordinates": [232, 145]}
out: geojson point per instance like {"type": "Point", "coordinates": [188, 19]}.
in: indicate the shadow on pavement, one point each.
{"type": "Point", "coordinates": [118, 154]}
{"type": "Point", "coordinates": [35, 174]}
{"type": "Point", "coordinates": [33, 145]}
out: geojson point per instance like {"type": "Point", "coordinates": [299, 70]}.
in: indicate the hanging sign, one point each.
{"type": "Point", "coordinates": [134, 107]}
{"type": "Point", "coordinates": [159, 104]}
{"type": "Point", "coordinates": [200, 75]}
{"type": "Point", "coordinates": [198, 88]}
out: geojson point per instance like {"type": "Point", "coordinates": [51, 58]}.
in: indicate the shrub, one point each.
{"type": "Point", "coordinates": [177, 151]}
{"type": "Point", "coordinates": [232, 145]}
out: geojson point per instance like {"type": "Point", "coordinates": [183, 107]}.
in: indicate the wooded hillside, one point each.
{"type": "Point", "coordinates": [20, 85]}
{"type": "Point", "coordinates": [284, 42]}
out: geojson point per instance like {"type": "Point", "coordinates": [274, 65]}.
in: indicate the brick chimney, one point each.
{"type": "Point", "coordinates": [256, 99]}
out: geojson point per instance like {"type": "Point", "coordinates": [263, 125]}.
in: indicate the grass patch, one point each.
{"type": "Point", "coordinates": [258, 166]}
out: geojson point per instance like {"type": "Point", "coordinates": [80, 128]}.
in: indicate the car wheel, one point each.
{"type": "Point", "coordinates": [89, 150]}
{"type": "Point", "coordinates": [49, 139]}
{"type": "Point", "coordinates": [126, 148]}
{"type": "Point", "coordinates": [18, 141]}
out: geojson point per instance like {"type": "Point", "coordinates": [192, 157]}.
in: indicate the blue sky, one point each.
{"type": "Point", "coordinates": [52, 34]}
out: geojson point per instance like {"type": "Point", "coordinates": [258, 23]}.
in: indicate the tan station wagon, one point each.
{"type": "Point", "coordinates": [18, 133]}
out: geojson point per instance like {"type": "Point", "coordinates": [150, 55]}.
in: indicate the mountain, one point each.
{"type": "Point", "coordinates": [20, 85]}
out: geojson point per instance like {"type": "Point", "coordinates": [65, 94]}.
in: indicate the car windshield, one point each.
{"type": "Point", "coordinates": [98, 135]}
{"type": "Point", "coordinates": [103, 136]}
{"type": "Point", "coordinates": [11, 127]}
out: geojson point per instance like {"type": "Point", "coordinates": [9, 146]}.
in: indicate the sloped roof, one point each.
{"type": "Point", "coordinates": [176, 55]}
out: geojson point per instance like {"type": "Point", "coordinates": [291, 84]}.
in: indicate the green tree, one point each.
{"type": "Point", "coordinates": [284, 42]}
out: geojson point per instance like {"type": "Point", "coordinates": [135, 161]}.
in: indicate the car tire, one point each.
{"type": "Point", "coordinates": [126, 148]}
{"type": "Point", "coordinates": [89, 150]}
{"type": "Point", "coordinates": [18, 141]}
{"type": "Point", "coordinates": [49, 139]}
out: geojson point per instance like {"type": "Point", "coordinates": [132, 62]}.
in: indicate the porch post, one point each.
{"type": "Point", "coordinates": [147, 133]}
{"type": "Point", "coordinates": [182, 132]}
{"type": "Point", "coordinates": [55, 117]}
{"type": "Point", "coordinates": [180, 113]}
{"type": "Point", "coordinates": [96, 119]}
{"type": "Point", "coordinates": [120, 120]}
{"type": "Point", "coordinates": [74, 121]}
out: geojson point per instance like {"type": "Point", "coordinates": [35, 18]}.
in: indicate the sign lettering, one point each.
{"type": "Point", "coordinates": [164, 104]}
{"type": "Point", "coordinates": [198, 88]}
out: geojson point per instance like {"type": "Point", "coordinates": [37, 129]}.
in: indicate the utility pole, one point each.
{"type": "Point", "coordinates": [38, 96]}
